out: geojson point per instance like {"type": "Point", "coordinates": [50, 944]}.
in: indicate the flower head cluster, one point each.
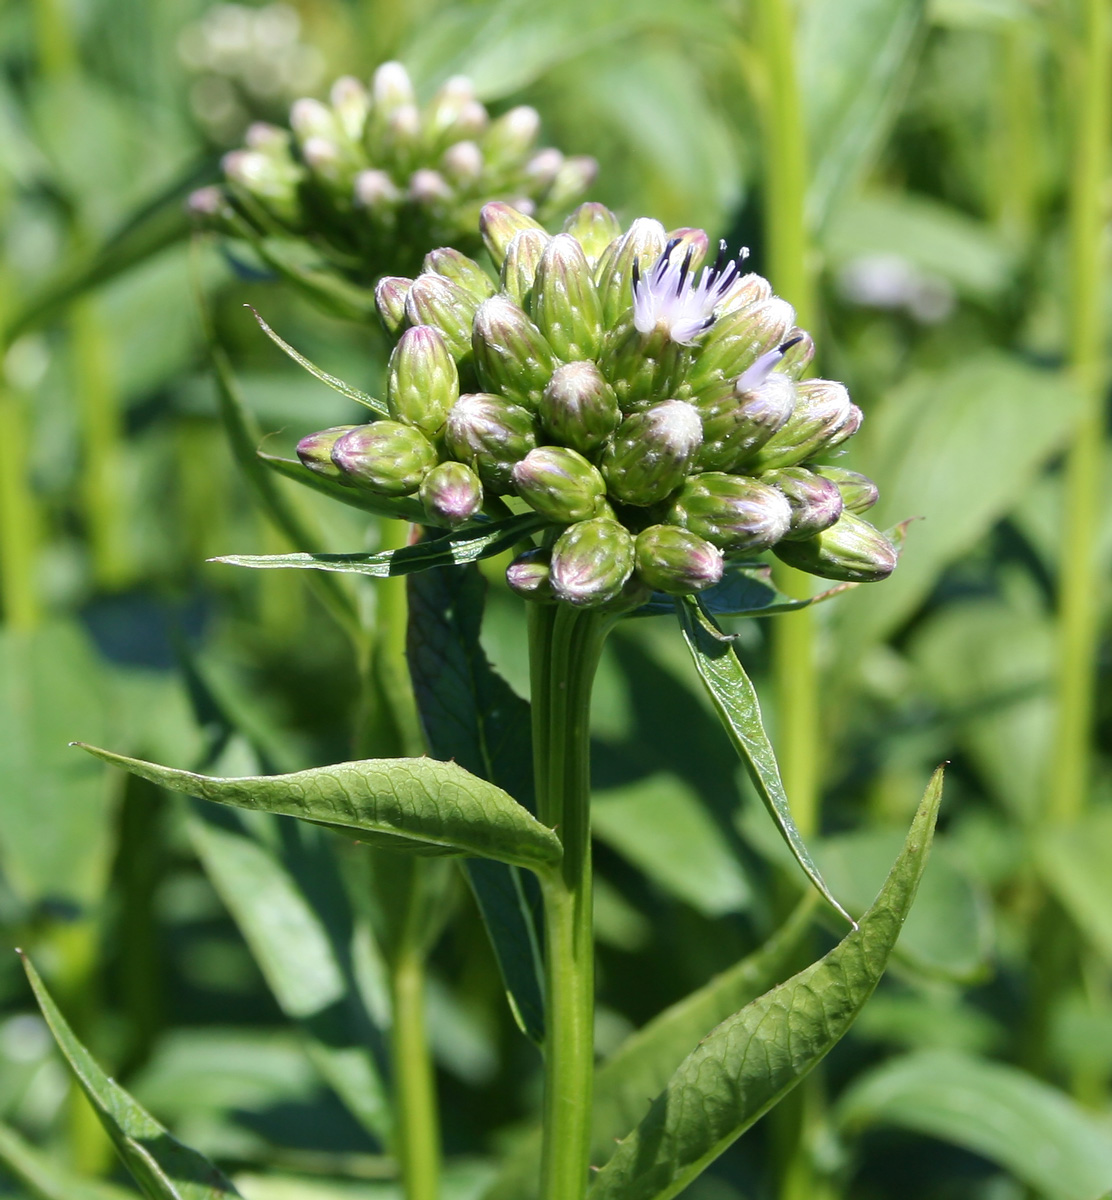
{"type": "Point", "coordinates": [654, 417]}
{"type": "Point", "coordinates": [373, 179]}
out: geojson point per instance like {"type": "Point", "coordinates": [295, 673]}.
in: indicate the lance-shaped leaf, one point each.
{"type": "Point", "coordinates": [415, 804]}
{"type": "Point", "coordinates": [163, 1168]}
{"type": "Point", "coordinates": [464, 546]}
{"type": "Point", "coordinates": [43, 1177]}
{"type": "Point", "coordinates": [735, 701]}
{"type": "Point", "coordinates": [472, 716]}
{"type": "Point", "coordinates": [403, 508]}
{"type": "Point", "coordinates": [745, 590]}
{"type": "Point", "coordinates": [752, 1059]}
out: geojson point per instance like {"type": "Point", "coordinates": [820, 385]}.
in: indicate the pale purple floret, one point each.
{"type": "Point", "coordinates": [668, 295]}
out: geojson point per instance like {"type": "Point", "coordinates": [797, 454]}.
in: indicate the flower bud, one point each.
{"type": "Point", "coordinates": [519, 268]}
{"type": "Point", "coordinates": [270, 180]}
{"type": "Point", "coordinates": [434, 300]}
{"type": "Point", "coordinates": [452, 493]}
{"type": "Point", "coordinates": [391, 87]}
{"type": "Point", "coordinates": [543, 167]}
{"type": "Point", "coordinates": [270, 139]}
{"type": "Point", "coordinates": [565, 303]}
{"type": "Point", "coordinates": [735, 425]}
{"type": "Point", "coordinates": [676, 561]}
{"type": "Point", "coordinates": [578, 407]}
{"type": "Point", "coordinates": [386, 456]}
{"type": "Point", "coordinates": [428, 188]}
{"type": "Point", "coordinates": [815, 502]}
{"type": "Point", "coordinates": [643, 243]}
{"type": "Point", "coordinates": [472, 122]}
{"type": "Point", "coordinates": [575, 176]}
{"type": "Point", "coordinates": [460, 270]}
{"type": "Point", "coordinates": [852, 551]}
{"type": "Point", "coordinates": [511, 136]}
{"type": "Point", "coordinates": [512, 356]}
{"type": "Point", "coordinates": [400, 137]}
{"type": "Point", "coordinates": [859, 493]}
{"type": "Point", "coordinates": [530, 575]}
{"type": "Point", "coordinates": [823, 418]}
{"type": "Point", "coordinates": [499, 223]}
{"type": "Point", "coordinates": [688, 241]}
{"type": "Point", "coordinates": [446, 107]}
{"type": "Point", "coordinates": [737, 339]}
{"type": "Point", "coordinates": [798, 355]}
{"type": "Point", "coordinates": [315, 451]}
{"type": "Point", "coordinates": [489, 434]}
{"type": "Point", "coordinates": [745, 290]}
{"type": "Point", "coordinates": [559, 484]}
{"type": "Point", "coordinates": [594, 227]}
{"type": "Point", "coordinates": [591, 560]}
{"type": "Point", "coordinates": [375, 190]}
{"type": "Point", "coordinates": [462, 163]}
{"type": "Point", "coordinates": [208, 205]}
{"type": "Point", "coordinates": [351, 104]}
{"type": "Point", "coordinates": [311, 119]}
{"type": "Point", "coordinates": [326, 160]}
{"type": "Point", "coordinates": [390, 295]}
{"type": "Point", "coordinates": [422, 382]}
{"type": "Point", "coordinates": [635, 592]}
{"type": "Point", "coordinates": [651, 452]}
{"type": "Point", "coordinates": [733, 512]}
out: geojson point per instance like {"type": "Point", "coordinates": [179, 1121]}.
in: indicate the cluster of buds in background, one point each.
{"type": "Point", "coordinates": [653, 415]}
{"type": "Point", "coordinates": [372, 179]}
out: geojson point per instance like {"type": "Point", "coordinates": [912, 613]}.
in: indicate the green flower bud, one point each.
{"type": "Point", "coordinates": [489, 434]}
{"type": "Point", "coordinates": [594, 227]}
{"type": "Point", "coordinates": [315, 451]}
{"type": "Point", "coordinates": [268, 179]}
{"type": "Point", "coordinates": [823, 418]}
{"type": "Point", "coordinates": [530, 576]}
{"type": "Point", "coordinates": [851, 551]}
{"type": "Point", "coordinates": [311, 119]}
{"type": "Point", "coordinates": [429, 189]}
{"type": "Point", "coordinates": [734, 426]}
{"type": "Point", "coordinates": [651, 452]}
{"type": "Point", "coordinates": [733, 512]}
{"type": "Point", "coordinates": [462, 163]}
{"type": "Point", "coordinates": [591, 560]}
{"type": "Point", "coordinates": [676, 561]}
{"type": "Point", "coordinates": [798, 355]}
{"type": "Point", "coordinates": [576, 174]}
{"type": "Point", "coordinates": [452, 100]}
{"type": "Point", "coordinates": [460, 270]}
{"type": "Point", "coordinates": [452, 493]}
{"type": "Point", "coordinates": [434, 300]}
{"type": "Point", "coordinates": [640, 367]}
{"type": "Point", "coordinates": [519, 268]}
{"type": "Point", "coordinates": [376, 192]}
{"type": "Point", "coordinates": [559, 484]}
{"type": "Point", "coordinates": [390, 297]}
{"type": "Point", "coordinates": [391, 87]}
{"type": "Point", "coordinates": [565, 303]}
{"type": "Point", "coordinates": [511, 136]}
{"type": "Point", "coordinates": [351, 103]}
{"type": "Point", "coordinates": [542, 168]}
{"type": "Point", "coordinates": [738, 339]}
{"type": "Point", "coordinates": [400, 140]}
{"type": "Point", "coordinates": [386, 456]}
{"type": "Point", "coordinates": [578, 407]}
{"type": "Point", "coordinates": [815, 502]}
{"type": "Point", "coordinates": [644, 243]}
{"type": "Point", "coordinates": [499, 223]}
{"type": "Point", "coordinates": [512, 356]}
{"type": "Point", "coordinates": [422, 382]}
{"type": "Point", "coordinates": [859, 493]}
{"type": "Point", "coordinates": [745, 290]}
{"type": "Point", "coordinates": [268, 139]}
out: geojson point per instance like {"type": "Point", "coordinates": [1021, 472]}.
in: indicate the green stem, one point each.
{"type": "Point", "coordinates": [417, 1143]}
{"type": "Point", "coordinates": [1079, 576]}
{"type": "Point", "coordinates": [19, 600]}
{"type": "Point", "coordinates": [564, 649]}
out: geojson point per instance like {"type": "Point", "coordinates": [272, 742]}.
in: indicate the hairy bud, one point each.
{"type": "Point", "coordinates": [852, 551]}
{"type": "Point", "coordinates": [489, 434]}
{"type": "Point", "coordinates": [559, 484]}
{"type": "Point", "coordinates": [386, 456]}
{"type": "Point", "coordinates": [422, 382]}
{"type": "Point", "coordinates": [815, 502]}
{"type": "Point", "coordinates": [676, 561]}
{"type": "Point", "coordinates": [315, 451]}
{"type": "Point", "coordinates": [651, 451]}
{"type": "Point", "coordinates": [578, 407]}
{"type": "Point", "coordinates": [733, 512]}
{"type": "Point", "coordinates": [452, 493]}
{"type": "Point", "coordinates": [591, 561]}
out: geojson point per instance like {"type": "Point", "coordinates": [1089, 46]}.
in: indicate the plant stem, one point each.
{"type": "Point", "coordinates": [564, 649]}
{"type": "Point", "coordinates": [1079, 584]}
{"type": "Point", "coordinates": [19, 601]}
{"type": "Point", "coordinates": [418, 1121]}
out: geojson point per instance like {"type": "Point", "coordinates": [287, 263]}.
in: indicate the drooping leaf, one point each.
{"type": "Point", "coordinates": [45, 1178]}
{"type": "Point", "coordinates": [1034, 1131]}
{"type": "Point", "coordinates": [403, 508]}
{"type": "Point", "coordinates": [472, 716]}
{"type": "Point", "coordinates": [735, 701]}
{"type": "Point", "coordinates": [752, 1059]}
{"type": "Point", "coordinates": [414, 804]}
{"type": "Point", "coordinates": [454, 549]}
{"type": "Point", "coordinates": [163, 1168]}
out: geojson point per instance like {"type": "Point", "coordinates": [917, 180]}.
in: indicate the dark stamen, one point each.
{"type": "Point", "coordinates": [784, 347]}
{"type": "Point", "coordinates": [636, 273]}
{"type": "Point", "coordinates": [684, 269]}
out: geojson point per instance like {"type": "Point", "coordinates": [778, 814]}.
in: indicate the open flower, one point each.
{"type": "Point", "coordinates": [667, 296]}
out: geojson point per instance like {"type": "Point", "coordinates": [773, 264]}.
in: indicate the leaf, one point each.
{"type": "Point", "coordinates": [297, 263]}
{"type": "Point", "coordinates": [415, 804]}
{"type": "Point", "coordinates": [472, 716]}
{"type": "Point", "coordinates": [45, 1178]}
{"type": "Point", "coordinates": [454, 549]}
{"type": "Point", "coordinates": [163, 1168]}
{"type": "Point", "coordinates": [735, 701]}
{"type": "Point", "coordinates": [1076, 863]}
{"type": "Point", "coordinates": [403, 508]}
{"type": "Point", "coordinates": [745, 590]}
{"type": "Point", "coordinates": [337, 385]}
{"type": "Point", "coordinates": [752, 1059]}
{"type": "Point", "coordinates": [1032, 1130]}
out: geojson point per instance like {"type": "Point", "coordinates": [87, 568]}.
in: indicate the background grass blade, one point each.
{"type": "Point", "coordinates": [44, 1178]}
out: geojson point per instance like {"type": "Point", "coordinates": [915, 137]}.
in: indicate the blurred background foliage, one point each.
{"type": "Point", "coordinates": [939, 148]}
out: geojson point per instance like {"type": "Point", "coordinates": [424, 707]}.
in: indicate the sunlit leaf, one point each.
{"type": "Point", "coordinates": [403, 508]}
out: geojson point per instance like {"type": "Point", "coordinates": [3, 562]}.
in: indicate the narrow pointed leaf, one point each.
{"type": "Point", "coordinates": [403, 508]}
{"type": "Point", "coordinates": [745, 590]}
{"type": "Point", "coordinates": [337, 385]}
{"type": "Point", "coordinates": [735, 701]}
{"type": "Point", "coordinates": [44, 1178]}
{"type": "Point", "coordinates": [465, 546]}
{"type": "Point", "coordinates": [415, 804]}
{"type": "Point", "coordinates": [163, 1168]}
{"type": "Point", "coordinates": [752, 1059]}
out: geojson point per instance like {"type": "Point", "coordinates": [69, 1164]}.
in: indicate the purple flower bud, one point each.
{"type": "Point", "coordinates": [578, 407]}
{"type": "Point", "coordinates": [676, 561]}
{"type": "Point", "coordinates": [823, 418]}
{"type": "Point", "coordinates": [429, 188]}
{"type": "Point", "coordinates": [315, 451]}
{"type": "Point", "coordinates": [851, 551]}
{"type": "Point", "coordinates": [591, 561]}
{"type": "Point", "coordinates": [735, 425]}
{"type": "Point", "coordinates": [519, 268]}
{"type": "Point", "coordinates": [512, 356]}
{"type": "Point", "coordinates": [489, 434]}
{"type": "Point", "coordinates": [530, 575]}
{"type": "Point", "coordinates": [733, 512]}
{"type": "Point", "coordinates": [859, 493]}
{"type": "Point", "coordinates": [422, 382]}
{"type": "Point", "coordinates": [462, 163]}
{"type": "Point", "coordinates": [651, 452]}
{"type": "Point", "coordinates": [390, 296]}
{"type": "Point", "coordinates": [386, 456]}
{"type": "Point", "coordinates": [375, 190]}
{"type": "Point", "coordinates": [738, 339]}
{"type": "Point", "coordinates": [816, 503]}
{"type": "Point", "coordinates": [559, 484]}
{"type": "Point", "coordinates": [452, 494]}
{"type": "Point", "coordinates": [499, 223]}
{"type": "Point", "coordinates": [543, 167]}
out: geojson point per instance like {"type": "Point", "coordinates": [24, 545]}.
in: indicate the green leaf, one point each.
{"type": "Point", "coordinates": [735, 701]}
{"type": "Point", "coordinates": [1076, 863]}
{"type": "Point", "coordinates": [415, 804]}
{"type": "Point", "coordinates": [1036, 1132]}
{"type": "Point", "coordinates": [473, 717]}
{"type": "Point", "coordinates": [302, 267]}
{"type": "Point", "coordinates": [454, 549]}
{"type": "Point", "coordinates": [745, 590]}
{"type": "Point", "coordinates": [403, 508]}
{"type": "Point", "coordinates": [337, 385]}
{"type": "Point", "coordinates": [45, 1178]}
{"type": "Point", "coordinates": [163, 1168]}
{"type": "Point", "coordinates": [752, 1059]}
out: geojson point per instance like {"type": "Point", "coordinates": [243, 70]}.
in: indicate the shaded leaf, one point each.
{"type": "Point", "coordinates": [745, 590]}
{"type": "Point", "coordinates": [43, 1177]}
{"type": "Point", "coordinates": [1076, 863]}
{"type": "Point", "coordinates": [163, 1168]}
{"type": "Point", "coordinates": [740, 1069]}
{"type": "Point", "coordinates": [403, 508]}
